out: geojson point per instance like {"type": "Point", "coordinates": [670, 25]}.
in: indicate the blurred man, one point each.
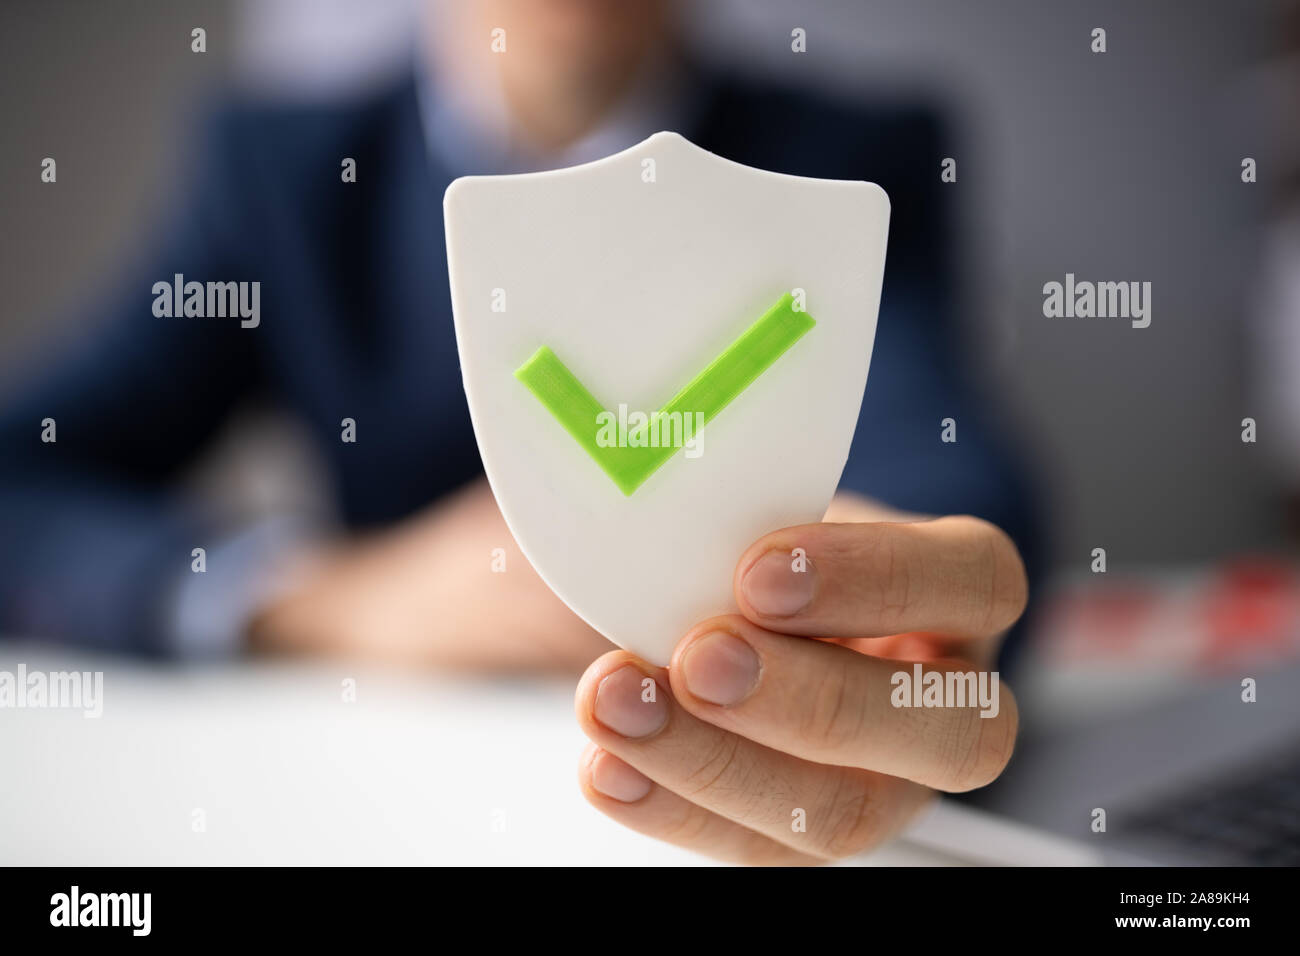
{"type": "Point", "coordinates": [354, 323]}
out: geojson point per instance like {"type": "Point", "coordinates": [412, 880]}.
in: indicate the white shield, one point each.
{"type": "Point", "coordinates": [659, 269]}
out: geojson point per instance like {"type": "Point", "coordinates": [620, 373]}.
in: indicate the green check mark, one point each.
{"type": "Point", "coordinates": [708, 393]}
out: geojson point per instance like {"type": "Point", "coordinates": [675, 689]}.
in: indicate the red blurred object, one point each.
{"type": "Point", "coordinates": [1252, 605]}
{"type": "Point", "coordinates": [1100, 622]}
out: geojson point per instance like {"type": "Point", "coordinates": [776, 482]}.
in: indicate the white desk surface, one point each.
{"type": "Point", "coordinates": [419, 770]}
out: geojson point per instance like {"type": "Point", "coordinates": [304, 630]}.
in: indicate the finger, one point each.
{"type": "Point", "coordinates": [826, 703]}
{"type": "Point", "coordinates": [959, 576]}
{"type": "Point", "coordinates": [625, 706]}
{"type": "Point", "coordinates": [623, 793]}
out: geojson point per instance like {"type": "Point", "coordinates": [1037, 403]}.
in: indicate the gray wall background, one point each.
{"type": "Point", "coordinates": [1122, 166]}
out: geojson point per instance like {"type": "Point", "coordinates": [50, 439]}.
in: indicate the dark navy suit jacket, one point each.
{"type": "Point", "coordinates": [356, 323]}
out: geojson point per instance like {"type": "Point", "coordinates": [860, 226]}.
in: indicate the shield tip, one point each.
{"type": "Point", "coordinates": [666, 136]}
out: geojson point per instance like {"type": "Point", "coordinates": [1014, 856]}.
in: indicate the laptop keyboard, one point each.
{"type": "Point", "coordinates": [1251, 817]}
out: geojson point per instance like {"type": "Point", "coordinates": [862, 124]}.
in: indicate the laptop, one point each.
{"type": "Point", "coordinates": [1199, 777]}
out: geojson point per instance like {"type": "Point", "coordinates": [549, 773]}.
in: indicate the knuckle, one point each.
{"type": "Point", "coordinates": [974, 750]}
{"type": "Point", "coordinates": [853, 817]}
{"type": "Point", "coordinates": [1005, 588]}
{"type": "Point", "coordinates": [831, 721]}
{"type": "Point", "coordinates": [998, 740]}
{"type": "Point", "coordinates": [718, 769]}
{"type": "Point", "coordinates": [954, 741]}
{"type": "Point", "coordinates": [884, 585]}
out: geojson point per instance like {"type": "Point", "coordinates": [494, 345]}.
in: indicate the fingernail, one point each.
{"type": "Point", "coordinates": [773, 587]}
{"type": "Point", "coordinates": [627, 706]}
{"type": "Point", "coordinates": [617, 780]}
{"type": "Point", "coordinates": [720, 668]}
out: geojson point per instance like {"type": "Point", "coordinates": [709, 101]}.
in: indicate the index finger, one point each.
{"type": "Point", "coordinates": [959, 576]}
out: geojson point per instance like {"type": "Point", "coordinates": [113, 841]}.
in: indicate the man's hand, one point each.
{"type": "Point", "coordinates": [423, 594]}
{"type": "Point", "coordinates": [786, 706]}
